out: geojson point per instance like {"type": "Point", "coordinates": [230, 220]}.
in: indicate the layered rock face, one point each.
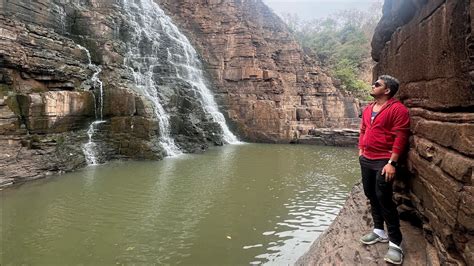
{"type": "Point", "coordinates": [64, 62]}
{"type": "Point", "coordinates": [67, 63]}
{"type": "Point", "coordinates": [429, 46]}
{"type": "Point", "coordinates": [270, 90]}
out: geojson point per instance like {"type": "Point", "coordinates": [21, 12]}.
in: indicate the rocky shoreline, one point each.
{"type": "Point", "coordinates": [339, 244]}
{"type": "Point", "coordinates": [39, 156]}
{"type": "Point", "coordinates": [340, 137]}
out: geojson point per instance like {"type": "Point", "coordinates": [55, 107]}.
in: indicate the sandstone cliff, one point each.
{"type": "Point", "coordinates": [67, 63]}
{"type": "Point", "coordinates": [50, 52]}
{"type": "Point", "coordinates": [272, 92]}
{"type": "Point", "coordinates": [428, 45]}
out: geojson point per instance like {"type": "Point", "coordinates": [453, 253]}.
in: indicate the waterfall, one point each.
{"type": "Point", "coordinates": [95, 80]}
{"type": "Point", "coordinates": [90, 149]}
{"type": "Point", "coordinates": [189, 68]}
{"type": "Point", "coordinates": [142, 66]}
{"type": "Point", "coordinates": [160, 53]}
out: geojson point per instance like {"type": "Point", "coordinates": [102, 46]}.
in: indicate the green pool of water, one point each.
{"type": "Point", "coordinates": [233, 205]}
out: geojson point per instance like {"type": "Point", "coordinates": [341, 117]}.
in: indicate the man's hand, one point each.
{"type": "Point", "coordinates": [389, 172]}
{"type": "Point", "coordinates": [361, 152]}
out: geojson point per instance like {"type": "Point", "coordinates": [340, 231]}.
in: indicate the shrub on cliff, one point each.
{"type": "Point", "coordinates": [341, 42]}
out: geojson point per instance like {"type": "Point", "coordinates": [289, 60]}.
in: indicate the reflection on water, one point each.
{"type": "Point", "coordinates": [244, 204]}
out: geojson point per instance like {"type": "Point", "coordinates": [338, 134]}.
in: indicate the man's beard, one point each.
{"type": "Point", "coordinates": [373, 94]}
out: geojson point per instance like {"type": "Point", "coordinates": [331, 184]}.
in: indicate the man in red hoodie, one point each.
{"type": "Point", "coordinates": [383, 137]}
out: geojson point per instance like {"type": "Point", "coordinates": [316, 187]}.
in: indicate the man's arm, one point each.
{"type": "Point", "coordinates": [401, 128]}
{"type": "Point", "coordinates": [361, 134]}
{"type": "Point", "coordinates": [394, 157]}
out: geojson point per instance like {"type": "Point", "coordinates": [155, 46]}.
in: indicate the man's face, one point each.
{"type": "Point", "coordinates": [378, 89]}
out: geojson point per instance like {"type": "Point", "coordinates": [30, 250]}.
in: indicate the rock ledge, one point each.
{"type": "Point", "coordinates": [339, 244]}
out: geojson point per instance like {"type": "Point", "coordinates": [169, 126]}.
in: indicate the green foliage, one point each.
{"type": "Point", "coordinates": [346, 71]}
{"type": "Point", "coordinates": [341, 43]}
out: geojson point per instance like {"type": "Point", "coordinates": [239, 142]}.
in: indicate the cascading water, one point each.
{"type": "Point", "coordinates": [90, 149]}
{"type": "Point", "coordinates": [156, 44]}
{"type": "Point", "coordinates": [142, 65]}
{"type": "Point", "coordinates": [188, 68]}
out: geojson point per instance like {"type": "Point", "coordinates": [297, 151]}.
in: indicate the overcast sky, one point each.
{"type": "Point", "coordinates": [309, 9]}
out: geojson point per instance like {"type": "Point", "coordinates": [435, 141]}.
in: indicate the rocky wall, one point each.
{"type": "Point", "coordinates": [428, 46]}
{"type": "Point", "coordinates": [51, 52]}
{"type": "Point", "coordinates": [48, 97]}
{"type": "Point", "coordinates": [268, 88]}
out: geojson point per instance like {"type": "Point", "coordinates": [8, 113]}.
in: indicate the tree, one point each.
{"type": "Point", "coordinates": [341, 42]}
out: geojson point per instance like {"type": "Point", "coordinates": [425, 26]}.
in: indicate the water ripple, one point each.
{"type": "Point", "coordinates": [245, 204]}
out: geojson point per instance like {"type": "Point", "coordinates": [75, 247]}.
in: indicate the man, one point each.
{"type": "Point", "coordinates": [383, 136]}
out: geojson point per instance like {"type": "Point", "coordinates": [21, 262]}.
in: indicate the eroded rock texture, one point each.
{"type": "Point", "coordinates": [428, 45]}
{"type": "Point", "coordinates": [49, 97]}
{"type": "Point", "coordinates": [266, 86]}
{"type": "Point", "coordinates": [272, 92]}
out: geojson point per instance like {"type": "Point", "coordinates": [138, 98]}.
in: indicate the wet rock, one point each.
{"type": "Point", "coordinates": [331, 137]}
{"type": "Point", "coordinates": [46, 88]}
{"type": "Point", "coordinates": [120, 102]}
{"type": "Point", "coordinates": [266, 86]}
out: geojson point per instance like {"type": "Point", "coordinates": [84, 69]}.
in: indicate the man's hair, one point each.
{"type": "Point", "coordinates": [391, 83]}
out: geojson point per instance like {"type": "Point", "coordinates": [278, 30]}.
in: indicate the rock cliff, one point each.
{"type": "Point", "coordinates": [54, 58]}
{"type": "Point", "coordinates": [271, 91]}
{"type": "Point", "coordinates": [67, 63]}
{"type": "Point", "coordinates": [428, 46]}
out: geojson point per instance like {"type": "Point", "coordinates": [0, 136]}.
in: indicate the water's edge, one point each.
{"type": "Point", "coordinates": [339, 243]}
{"type": "Point", "coordinates": [6, 182]}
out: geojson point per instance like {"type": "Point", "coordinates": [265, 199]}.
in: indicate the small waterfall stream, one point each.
{"type": "Point", "coordinates": [159, 54]}
{"type": "Point", "coordinates": [90, 148]}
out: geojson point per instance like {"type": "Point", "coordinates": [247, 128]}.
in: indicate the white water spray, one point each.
{"type": "Point", "coordinates": [151, 27]}
{"type": "Point", "coordinates": [189, 69]}
{"type": "Point", "coordinates": [90, 149]}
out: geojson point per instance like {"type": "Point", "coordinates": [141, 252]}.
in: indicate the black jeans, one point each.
{"type": "Point", "coordinates": [379, 193]}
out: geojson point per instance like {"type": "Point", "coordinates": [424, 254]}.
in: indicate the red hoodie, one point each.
{"type": "Point", "coordinates": [387, 133]}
